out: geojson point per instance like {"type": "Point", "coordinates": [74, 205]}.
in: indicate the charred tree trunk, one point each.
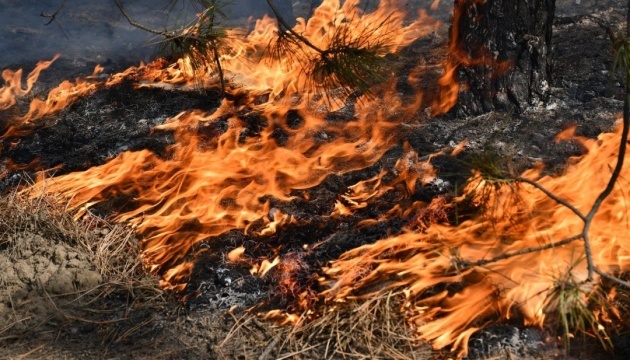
{"type": "Point", "coordinates": [504, 48]}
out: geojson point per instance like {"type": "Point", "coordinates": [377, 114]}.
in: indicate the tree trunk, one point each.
{"type": "Point", "coordinates": [504, 47]}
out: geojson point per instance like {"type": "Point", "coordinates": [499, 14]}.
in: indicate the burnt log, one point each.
{"type": "Point", "coordinates": [503, 48]}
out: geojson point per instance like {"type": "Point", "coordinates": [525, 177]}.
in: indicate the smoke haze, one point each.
{"type": "Point", "coordinates": [88, 31]}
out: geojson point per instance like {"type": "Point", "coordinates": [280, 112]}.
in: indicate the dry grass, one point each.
{"type": "Point", "coordinates": [112, 248]}
{"type": "Point", "coordinates": [369, 329]}
{"type": "Point", "coordinates": [127, 307]}
{"type": "Point", "coordinates": [117, 306]}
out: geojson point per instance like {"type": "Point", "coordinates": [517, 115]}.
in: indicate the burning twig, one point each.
{"type": "Point", "coordinates": [520, 252]}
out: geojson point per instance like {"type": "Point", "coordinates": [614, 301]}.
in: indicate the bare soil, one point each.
{"type": "Point", "coordinates": [74, 290]}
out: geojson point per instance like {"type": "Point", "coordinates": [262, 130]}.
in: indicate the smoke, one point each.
{"type": "Point", "coordinates": [88, 31]}
{"type": "Point", "coordinates": [82, 31]}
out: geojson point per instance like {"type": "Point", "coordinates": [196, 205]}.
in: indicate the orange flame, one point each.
{"type": "Point", "coordinates": [521, 217]}
{"type": "Point", "coordinates": [286, 76]}
{"type": "Point", "coordinates": [211, 185]}
{"type": "Point", "coordinates": [57, 99]}
{"type": "Point", "coordinates": [457, 57]}
{"type": "Point", "coordinates": [12, 87]}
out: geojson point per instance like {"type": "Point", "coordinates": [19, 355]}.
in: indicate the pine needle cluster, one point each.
{"type": "Point", "coordinates": [350, 64]}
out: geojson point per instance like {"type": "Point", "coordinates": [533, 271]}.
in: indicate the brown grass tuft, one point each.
{"type": "Point", "coordinates": [367, 329]}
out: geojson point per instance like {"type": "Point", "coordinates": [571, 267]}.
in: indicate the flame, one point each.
{"type": "Point", "coordinates": [236, 254]}
{"type": "Point", "coordinates": [216, 181]}
{"type": "Point", "coordinates": [457, 57]}
{"type": "Point", "coordinates": [520, 217]}
{"type": "Point", "coordinates": [209, 186]}
{"type": "Point", "coordinates": [264, 267]}
{"type": "Point", "coordinates": [407, 170]}
{"type": "Point", "coordinates": [243, 65]}
{"type": "Point", "coordinates": [359, 194]}
{"type": "Point", "coordinates": [212, 184]}
{"type": "Point", "coordinates": [57, 99]}
{"type": "Point", "coordinates": [12, 87]}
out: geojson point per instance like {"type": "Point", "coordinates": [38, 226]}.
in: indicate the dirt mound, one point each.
{"type": "Point", "coordinates": [37, 266]}
{"type": "Point", "coordinates": [40, 260]}
{"type": "Point", "coordinates": [72, 289]}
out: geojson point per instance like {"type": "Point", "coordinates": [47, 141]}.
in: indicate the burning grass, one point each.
{"type": "Point", "coordinates": [527, 263]}
{"type": "Point", "coordinates": [245, 168]}
{"type": "Point", "coordinates": [372, 329]}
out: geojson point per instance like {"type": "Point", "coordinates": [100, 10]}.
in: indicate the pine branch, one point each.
{"type": "Point", "coordinates": [201, 41]}
{"type": "Point", "coordinates": [352, 62]}
{"type": "Point", "coordinates": [288, 28]}
{"type": "Point", "coordinates": [520, 252]}
{"type": "Point", "coordinates": [552, 196]}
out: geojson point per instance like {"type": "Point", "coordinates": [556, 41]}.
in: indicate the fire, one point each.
{"type": "Point", "coordinates": [457, 57]}
{"type": "Point", "coordinates": [270, 139]}
{"type": "Point", "coordinates": [408, 171]}
{"type": "Point", "coordinates": [57, 99]}
{"type": "Point", "coordinates": [210, 185]}
{"type": "Point", "coordinates": [245, 65]}
{"type": "Point", "coordinates": [13, 83]}
{"type": "Point", "coordinates": [518, 218]}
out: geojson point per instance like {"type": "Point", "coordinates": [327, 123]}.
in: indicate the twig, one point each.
{"type": "Point", "coordinates": [137, 24]}
{"type": "Point", "coordinates": [615, 175]}
{"type": "Point", "coordinates": [611, 278]}
{"type": "Point", "coordinates": [53, 17]}
{"type": "Point", "coordinates": [31, 352]}
{"type": "Point", "coordinates": [272, 345]}
{"type": "Point", "coordinates": [521, 252]}
{"type": "Point", "coordinates": [288, 28]}
{"type": "Point", "coordinates": [554, 197]}
{"type": "Point", "coordinates": [172, 35]}
{"type": "Point", "coordinates": [215, 53]}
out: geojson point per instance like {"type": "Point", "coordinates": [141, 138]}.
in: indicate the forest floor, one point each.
{"type": "Point", "coordinates": [76, 289]}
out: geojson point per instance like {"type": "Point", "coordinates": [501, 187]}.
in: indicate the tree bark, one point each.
{"type": "Point", "coordinates": [504, 51]}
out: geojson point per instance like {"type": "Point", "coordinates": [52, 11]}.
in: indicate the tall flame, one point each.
{"type": "Point", "coordinates": [211, 184]}
{"type": "Point", "coordinates": [57, 99]}
{"type": "Point", "coordinates": [12, 87]}
{"type": "Point", "coordinates": [245, 64]}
